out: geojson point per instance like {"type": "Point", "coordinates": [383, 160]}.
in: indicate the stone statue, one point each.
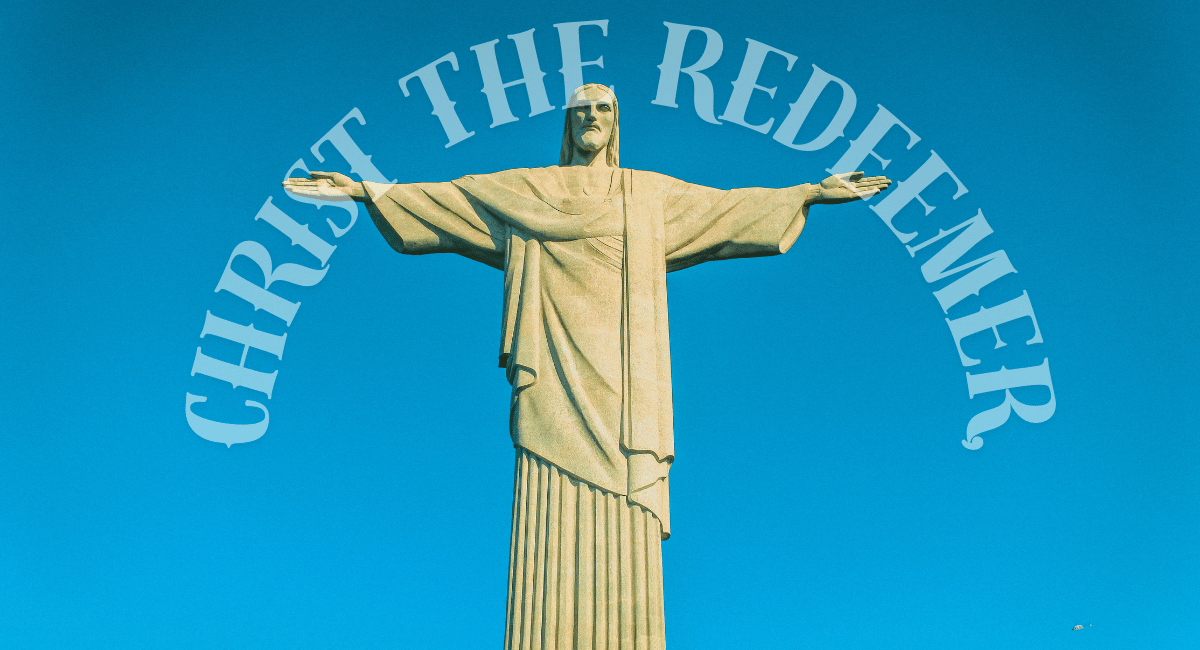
{"type": "Point", "coordinates": [585, 247]}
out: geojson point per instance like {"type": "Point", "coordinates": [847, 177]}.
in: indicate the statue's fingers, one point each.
{"type": "Point", "coordinates": [306, 188]}
{"type": "Point", "coordinates": [865, 188]}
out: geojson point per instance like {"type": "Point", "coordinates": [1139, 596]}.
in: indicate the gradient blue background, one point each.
{"type": "Point", "coordinates": [821, 498]}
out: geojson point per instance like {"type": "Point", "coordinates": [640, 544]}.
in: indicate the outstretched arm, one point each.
{"type": "Point", "coordinates": [415, 218]}
{"type": "Point", "coordinates": [842, 188]}
{"type": "Point", "coordinates": [705, 224]}
{"type": "Point", "coordinates": [326, 186]}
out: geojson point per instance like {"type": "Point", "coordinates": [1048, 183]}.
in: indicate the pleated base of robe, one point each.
{"type": "Point", "coordinates": [585, 566]}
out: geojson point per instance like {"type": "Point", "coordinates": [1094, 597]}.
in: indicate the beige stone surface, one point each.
{"type": "Point", "coordinates": [585, 247]}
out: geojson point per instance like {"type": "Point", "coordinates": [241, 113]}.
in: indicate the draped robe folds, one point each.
{"type": "Point", "coordinates": [584, 335]}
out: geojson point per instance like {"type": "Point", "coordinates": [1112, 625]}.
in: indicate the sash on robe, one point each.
{"type": "Point", "coordinates": [647, 434]}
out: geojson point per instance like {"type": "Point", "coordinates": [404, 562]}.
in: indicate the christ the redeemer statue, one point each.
{"type": "Point", "coordinates": [585, 247]}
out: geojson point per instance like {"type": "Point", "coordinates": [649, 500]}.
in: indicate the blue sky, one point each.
{"type": "Point", "coordinates": [821, 496]}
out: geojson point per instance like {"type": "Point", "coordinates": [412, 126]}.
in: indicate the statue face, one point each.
{"type": "Point", "coordinates": [592, 120]}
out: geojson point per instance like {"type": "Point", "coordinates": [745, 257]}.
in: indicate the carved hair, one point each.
{"type": "Point", "coordinates": [614, 141]}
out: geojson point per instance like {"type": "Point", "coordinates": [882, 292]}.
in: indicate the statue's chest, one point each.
{"type": "Point", "coordinates": [587, 189]}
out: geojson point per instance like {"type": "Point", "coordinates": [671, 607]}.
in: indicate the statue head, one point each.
{"type": "Point", "coordinates": [591, 124]}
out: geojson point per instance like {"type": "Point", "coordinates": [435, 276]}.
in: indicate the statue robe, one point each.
{"type": "Point", "coordinates": [584, 335]}
{"type": "Point", "coordinates": [584, 340]}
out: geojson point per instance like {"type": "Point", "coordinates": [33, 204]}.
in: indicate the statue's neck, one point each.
{"type": "Point", "coordinates": [582, 158]}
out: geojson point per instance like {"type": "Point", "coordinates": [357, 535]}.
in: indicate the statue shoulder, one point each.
{"type": "Point", "coordinates": [658, 182]}
{"type": "Point", "coordinates": [542, 183]}
{"type": "Point", "coordinates": [506, 175]}
{"type": "Point", "coordinates": [517, 179]}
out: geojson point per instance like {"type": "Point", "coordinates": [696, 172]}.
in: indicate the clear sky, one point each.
{"type": "Point", "coordinates": [821, 496]}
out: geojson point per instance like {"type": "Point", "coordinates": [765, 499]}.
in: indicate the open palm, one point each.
{"type": "Point", "coordinates": [851, 186]}
{"type": "Point", "coordinates": [327, 186]}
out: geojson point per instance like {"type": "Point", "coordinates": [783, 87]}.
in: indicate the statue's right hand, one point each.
{"type": "Point", "coordinates": [326, 186]}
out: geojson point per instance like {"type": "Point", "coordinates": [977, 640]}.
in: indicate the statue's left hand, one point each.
{"type": "Point", "coordinates": [851, 186]}
{"type": "Point", "coordinates": [327, 186]}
